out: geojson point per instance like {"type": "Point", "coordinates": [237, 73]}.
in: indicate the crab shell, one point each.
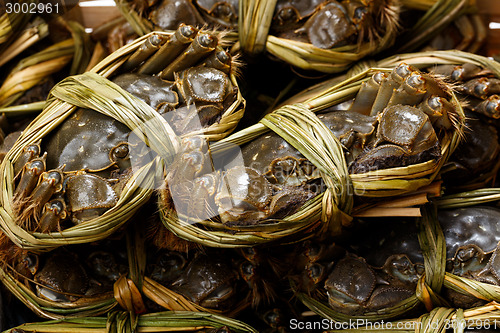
{"type": "Point", "coordinates": [221, 12]}
{"type": "Point", "coordinates": [169, 14]}
{"type": "Point", "coordinates": [87, 141]}
{"type": "Point", "coordinates": [292, 11]}
{"type": "Point", "coordinates": [62, 274]}
{"type": "Point", "coordinates": [353, 287]}
{"type": "Point", "coordinates": [197, 98]}
{"type": "Point", "coordinates": [208, 281]}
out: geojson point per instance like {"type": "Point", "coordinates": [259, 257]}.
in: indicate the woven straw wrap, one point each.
{"type": "Point", "coordinates": [92, 90]}
{"type": "Point", "coordinates": [16, 36]}
{"type": "Point", "coordinates": [434, 58]}
{"type": "Point", "coordinates": [313, 139]}
{"type": "Point", "coordinates": [33, 69]}
{"type": "Point", "coordinates": [329, 210]}
{"type": "Point", "coordinates": [120, 322]}
{"type": "Point", "coordinates": [439, 14]}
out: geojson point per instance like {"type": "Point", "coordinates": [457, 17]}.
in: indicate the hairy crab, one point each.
{"type": "Point", "coordinates": [328, 24]}
{"type": "Point", "coordinates": [220, 279]}
{"type": "Point", "coordinates": [474, 163]}
{"type": "Point", "coordinates": [322, 23]}
{"type": "Point", "coordinates": [394, 121]}
{"type": "Point", "coordinates": [76, 177]}
{"type": "Point", "coordinates": [87, 158]}
{"type": "Point", "coordinates": [377, 268]}
{"type": "Point", "coordinates": [210, 279]}
{"type": "Point", "coordinates": [471, 236]}
{"type": "Point", "coordinates": [347, 282]}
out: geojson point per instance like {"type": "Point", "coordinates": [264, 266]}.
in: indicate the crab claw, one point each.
{"type": "Point", "coordinates": [29, 153]}
{"type": "Point", "coordinates": [53, 212]}
{"type": "Point", "coordinates": [50, 182]}
{"type": "Point", "coordinates": [29, 178]}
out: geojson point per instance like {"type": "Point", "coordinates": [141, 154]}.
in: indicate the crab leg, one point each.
{"type": "Point", "coordinates": [29, 178]}
{"type": "Point", "coordinates": [182, 37]}
{"type": "Point", "coordinates": [202, 45]}
{"type": "Point", "coordinates": [489, 107]}
{"type": "Point", "coordinates": [465, 72]}
{"type": "Point", "coordinates": [220, 60]}
{"type": "Point", "coordinates": [438, 109]}
{"type": "Point", "coordinates": [145, 51]}
{"type": "Point", "coordinates": [481, 87]}
{"type": "Point", "coordinates": [411, 91]}
{"type": "Point", "coordinates": [444, 70]}
{"type": "Point", "coordinates": [29, 153]}
{"type": "Point", "coordinates": [50, 183]}
{"type": "Point", "coordinates": [367, 93]}
{"type": "Point", "coordinates": [387, 87]}
{"type": "Point", "coordinates": [54, 212]}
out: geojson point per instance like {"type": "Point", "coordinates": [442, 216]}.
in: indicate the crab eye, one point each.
{"type": "Point", "coordinates": [121, 151]}
{"type": "Point", "coordinates": [402, 266]}
{"type": "Point", "coordinates": [359, 13]}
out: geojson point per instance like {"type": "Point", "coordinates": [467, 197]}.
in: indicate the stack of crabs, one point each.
{"type": "Point", "coordinates": [179, 184]}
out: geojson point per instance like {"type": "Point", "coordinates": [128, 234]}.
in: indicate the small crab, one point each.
{"type": "Point", "coordinates": [220, 279]}
{"type": "Point", "coordinates": [412, 108]}
{"type": "Point", "coordinates": [239, 195]}
{"type": "Point", "coordinates": [208, 281]}
{"type": "Point", "coordinates": [475, 161]}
